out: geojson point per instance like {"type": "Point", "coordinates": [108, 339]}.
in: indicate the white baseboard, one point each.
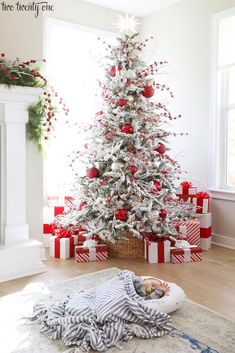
{"type": "Point", "coordinates": [222, 240]}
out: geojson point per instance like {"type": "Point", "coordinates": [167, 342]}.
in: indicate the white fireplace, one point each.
{"type": "Point", "coordinates": [19, 255]}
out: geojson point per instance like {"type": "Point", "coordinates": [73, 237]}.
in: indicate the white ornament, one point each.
{"type": "Point", "coordinates": [116, 166]}
{"type": "Point", "coordinates": [130, 98]}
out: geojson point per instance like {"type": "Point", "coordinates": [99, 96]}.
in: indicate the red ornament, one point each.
{"type": "Point", "coordinates": [157, 185]}
{"type": "Point", "coordinates": [93, 173]}
{"type": "Point", "coordinates": [133, 169]}
{"type": "Point", "coordinates": [82, 204]}
{"type": "Point", "coordinates": [127, 129]}
{"type": "Point", "coordinates": [161, 148]}
{"type": "Point", "coordinates": [162, 213]}
{"type": "Point", "coordinates": [122, 102]}
{"type": "Point", "coordinates": [148, 91]}
{"type": "Point", "coordinates": [121, 214]}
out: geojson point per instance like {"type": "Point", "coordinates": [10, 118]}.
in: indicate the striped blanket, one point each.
{"type": "Point", "coordinates": [100, 317]}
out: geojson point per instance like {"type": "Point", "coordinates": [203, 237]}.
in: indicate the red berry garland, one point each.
{"type": "Point", "coordinates": [127, 129]}
{"type": "Point", "coordinates": [148, 91]}
{"type": "Point", "coordinates": [161, 148]}
{"type": "Point", "coordinates": [122, 102]}
{"type": "Point", "coordinates": [163, 213]}
{"type": "Point", "coordinates": [93, 173]}
{"type": "Point", "coordinates": [121, 214]}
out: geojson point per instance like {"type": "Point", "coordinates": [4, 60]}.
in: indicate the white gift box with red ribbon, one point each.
{"type": "Point", "coordinates": [157, 251]}
{"type": "Point", "coordinates": [205, 230]}
{"type": "Point", "coordinates": [201, 202]}
{"type": "Point", "coordinates": [191, 230]}
{"type": "Point", "coordinates": [62, 248]}
{"type": "Point", "coordinates": [93, 253]}
{"type": "Point", "coordinates": [190, 254]}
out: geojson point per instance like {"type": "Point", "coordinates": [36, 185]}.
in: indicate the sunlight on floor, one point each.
{"type": "Point", "coordinates": [14, 308]}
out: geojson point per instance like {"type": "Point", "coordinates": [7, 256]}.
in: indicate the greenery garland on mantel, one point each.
{"type": "Point", "coordinates": [42, 113]}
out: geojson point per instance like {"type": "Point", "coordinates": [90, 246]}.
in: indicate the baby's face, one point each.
{"type": "Point", "coordinates": [151, 283]}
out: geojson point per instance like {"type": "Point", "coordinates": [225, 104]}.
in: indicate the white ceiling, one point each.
{"type": "Point", "coordinates": [134, 7]}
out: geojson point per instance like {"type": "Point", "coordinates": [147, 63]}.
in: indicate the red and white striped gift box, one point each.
{"type": "Point", "coordinates": [97, 253]}
{"type": "Point", "coordinates": [191, 254]}
{"type": "Point", "coordinates": [191, 230]}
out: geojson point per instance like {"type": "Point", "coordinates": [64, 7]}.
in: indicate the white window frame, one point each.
{"type": "Point", "coordinates": [219, 108]}
{"type": "Point", "coordinates": [48, 24]}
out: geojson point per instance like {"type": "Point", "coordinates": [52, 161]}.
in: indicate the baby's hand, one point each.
{"type": "Point", "coordinates": [164, 286]}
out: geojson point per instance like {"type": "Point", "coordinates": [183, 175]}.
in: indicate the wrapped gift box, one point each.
{"type": "Point", "coordinates": [205, 220]}
{"type": "Point", "coordinates": [53, 201]}
{"type": "Point", "coordinates": [186, 191]}
{"type": "Point", "coordinates": [97, 253]}
{"type": "Point", "coordinates": [201, 202]}
{"type": "Point", "coordinates": [191, 230]}
{"type": "Point", "coordinates": [191, 254]}
{"type": "Point", "coordinates": [62, 248]}
{"type": "Point", "coordinates": [205, 238]}
{"type": "Point", "coordinates": [157, 251]}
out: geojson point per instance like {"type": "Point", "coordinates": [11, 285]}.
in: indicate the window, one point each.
{"type": "Point", "coordinates": [73, 55]}
{"type": "Point", "coordinates": [223, 102]}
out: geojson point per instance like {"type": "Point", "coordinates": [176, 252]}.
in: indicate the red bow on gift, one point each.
{"type": "Point", "coordinates": [165, 237]}
{"type": "Point", "coordinates": [63, 233]}
{"type": "Point", "coordinates": [202, 195]}
{"type": "Point", "coordinates": [186, 184]}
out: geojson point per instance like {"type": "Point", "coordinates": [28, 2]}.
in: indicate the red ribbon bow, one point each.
{"type": "Point", "coordinates": [186, 184]}
{"type": "Point", "coordinates": [64, 233]}
{"type": "Point", "coordinates": [202, 195]}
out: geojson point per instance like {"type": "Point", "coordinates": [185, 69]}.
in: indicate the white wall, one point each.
{"type": "Point", "coordinates": [22, 35]}
{"type": "Point", "coordinates": [182, 35]}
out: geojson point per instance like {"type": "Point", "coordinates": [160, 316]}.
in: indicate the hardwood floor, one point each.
{"type": "Point", "coordinates": [210, 282]}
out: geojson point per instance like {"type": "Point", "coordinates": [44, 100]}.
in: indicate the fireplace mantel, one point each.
{"type": "Point", "coordinates": [19, 255]}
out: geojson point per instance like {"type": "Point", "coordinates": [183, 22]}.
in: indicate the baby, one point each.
{"type": "Point", "coordinates": [150, 288]}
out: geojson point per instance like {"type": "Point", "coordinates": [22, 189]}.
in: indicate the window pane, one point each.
{"type": "Point", "coordinates": [226, 40]}
{"type": "Point", "coordinates": [231, 149]}
{"type": "Point", "coordinates": [231, 91]}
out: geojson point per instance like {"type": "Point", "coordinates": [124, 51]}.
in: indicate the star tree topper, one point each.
{"type": "Point", "coordinates": [127, 24]}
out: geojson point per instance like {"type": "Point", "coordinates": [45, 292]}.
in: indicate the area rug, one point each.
{"type": "Point", "coordinates": [196, 328]}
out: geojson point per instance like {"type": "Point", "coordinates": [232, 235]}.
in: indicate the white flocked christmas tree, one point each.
{"type": "Point", "coordinates": [129, 183]}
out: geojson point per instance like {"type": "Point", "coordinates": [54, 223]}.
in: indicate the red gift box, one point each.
{"type": "Point", "coordinates": [202, 202]}
{"type": "Point", "coordinates": [205, 238]}
{"type": "Point", "coordinates": [62, 247]}
{"type": "Point", "coordinates": [97, 253]}
{"type": "Point", "coordinates": [191, 230]}
{"type": "Point", "coordinates": [191, 254]}
{"type": "Point", "coordinates": [186, 191]}
{"type": "Point", "coordinates": [157, 249]}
